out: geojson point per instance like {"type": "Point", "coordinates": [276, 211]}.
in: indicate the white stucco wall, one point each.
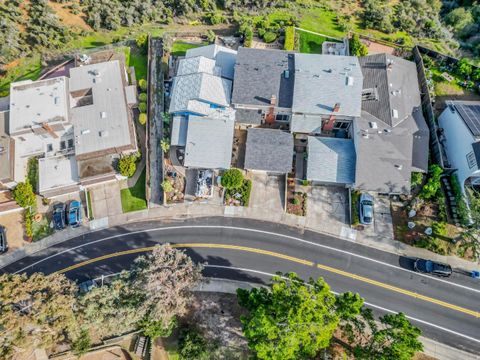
{"type": "Point", "coordinates": [458, 144]}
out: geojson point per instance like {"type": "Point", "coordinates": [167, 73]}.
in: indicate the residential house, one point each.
{"type": "Point", "coordinates": [357, 121]}
{"type": "Point", "coordinates": [77, 126]}
{"type": "Point", "coordinates": [460, 124]}
{"type": "Point", "coordinates": [202, 119]}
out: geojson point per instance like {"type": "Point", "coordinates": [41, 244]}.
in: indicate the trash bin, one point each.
{"type": "Point", "coordinates": [476, 274]}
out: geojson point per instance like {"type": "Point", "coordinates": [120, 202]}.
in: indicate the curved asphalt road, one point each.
{"type": "Point", "coordinates": [446, 310]}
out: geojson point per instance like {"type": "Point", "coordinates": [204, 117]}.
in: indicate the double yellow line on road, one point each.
{"type": "Point", "coordinates": [283, 257]}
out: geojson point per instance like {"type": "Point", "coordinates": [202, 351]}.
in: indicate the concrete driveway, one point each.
{"type": "Point", "coordinates": [327, 210]}
{"type": "Point", "coordinates": [106, 200]}
{"type": "Point", "coordinates": [13, 223]}
{"type": "Point", "coordinates": [268, 192]}
{"type": "Point", "coordinates": [382, 227]}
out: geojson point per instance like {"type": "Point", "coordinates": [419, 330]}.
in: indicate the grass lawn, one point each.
{"type": "Point", "coordinates": [133, 57]}
{"type": "Point", "coordinates": [133, 199]}
{"type": "Point", "coordinates": [322, 21]}
{"type": "Point", "coordinates": [180, 48]}
{"type": "Point", "coordinates": [28, 68]}
{"type": "Point", "coordinates": [310, 43]}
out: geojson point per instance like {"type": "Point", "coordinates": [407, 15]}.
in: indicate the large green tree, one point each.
{"type": "Point", "coordinates": [392, 337]}
{"type": "Point", "coordinates": [36, 311]}
{"type": "Point", "coordinates": [293, 319]}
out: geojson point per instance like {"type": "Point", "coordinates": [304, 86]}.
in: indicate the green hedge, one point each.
{"type": "Point", "coordinates": [462, 209]}
{"type": "Point", "coordinates": [355, 217]}
{"type": "Point", "coordinates": [289, 38]}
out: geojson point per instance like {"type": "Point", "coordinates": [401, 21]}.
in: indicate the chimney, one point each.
{"type": "Point", "coordinates": [270, 117]}
{"type": "Point", "coordinates": [49, 129]}
{"type": "Point", "coordinates": [328, 126]}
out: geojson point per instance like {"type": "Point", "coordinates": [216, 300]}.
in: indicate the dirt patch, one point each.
{"type": "Point", "coordinates": [67, 17]}
{"type": "Point", "coordinates": [13, 223]}
{"type": "Point", "coordinates": [376, 48]}
{"type": "Point", "coordinates": [111, 353]}
{"type": "Point", "coordinates": [296, 200]}
{"type": "Point", "coordinates": [218, 317]}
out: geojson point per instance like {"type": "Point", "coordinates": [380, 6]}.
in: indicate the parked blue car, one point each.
{"type": "Point", "coordinates": [74, 213]}
{"type": "Point", "coordinates": [59, 216]}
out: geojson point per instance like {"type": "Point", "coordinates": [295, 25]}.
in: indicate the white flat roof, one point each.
{"type": "Point", "coordinates": [56, 172]}
{"type": "Point", "coordinates": [36, 102]}
{"type": "Point", "coordinates": [104, 123]}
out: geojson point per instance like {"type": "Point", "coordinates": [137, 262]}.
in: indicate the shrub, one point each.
{"type": "Point", "coordinates": [295, 201]}
{"type": "Point", "coordinates": [269, 37]}
{"type": "Point", "coordinates": [142, 84]}
{"type": "Point", "coordinates": [127, 165]}
{"type": "Point", "coordinates": [32, 173]}
{"type": "Point", "coordinates": [357, 48]}
{"type": "Point", "coordinates": [142, 97]}
{"type": "Point", "coordinates": [433, 184]}
{"type": "Point", "coordinates": [28, 223]}
{"type": "Point", "coordinates": [439, 228]}
{"type": "Point", "coordinates": [289, 38]}
{"type": "Point", "coordinates": [246, 190]}
{"type": "Point", "coordinates": [305, 182]}
{"type": "Point", "coordinates": [167, 185]}
{"type": "Point", "coordinates": [165, 145]}
{"type": "Point", "coordinates": [248, 37]}
{"type": "Point", "coordinates": [416, 179]}
{"type": "Point", "coordinates": [82, 344]}
{"type": "Point", "coordinates": [142, 118]}
{"type": "Point", "coordinates": [192, 345]}
{"type": "Point", "coordinates": [261, 32]}
{"type": "Point", "coordinates": [232, 179]}
{"type": "Point", "coordinates": [355, 217]}
{"type": "Point", "coordinates": [142, 41]}
{"type": "Point", "coordinates": [142, 107]}
{"type": "Point", "coordinates": [24, 195]}
{"type": "Point", "coordinates": [210, 36]}
{"type": "Point", "coordinates": [215, 18]}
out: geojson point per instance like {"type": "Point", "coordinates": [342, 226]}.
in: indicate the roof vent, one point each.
{"type": "Point", "coordinates": [56, 100]}
{"type": "Point", "coordinates": [399, 167]}
{"type": "Point", "coordinates": [395, 113]}
{"type": "Point", "coordinates": [286, 74]}
{"type": "Point", "coordinates": [365, 135]}
{"type": "Point", "coordinates": [388, 131]}
{"type": "Point", "coordinates": [373, 125]}
{"type": "Point", "coordinates": [85, 132]}
{"type": "Point", "coordinates": [103, 115]}
{"type": "Point", "coordinates": [103, 133]}
{"type": "Point", "coordinates": [350, 80]}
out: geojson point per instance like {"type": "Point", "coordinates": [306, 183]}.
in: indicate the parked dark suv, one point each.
{"type": "Point", "coordinates": [3, 240]}
{"type": "Point", "coordinates": [432, 267]}
{"type": "Point", "coordinates": [59, 216]}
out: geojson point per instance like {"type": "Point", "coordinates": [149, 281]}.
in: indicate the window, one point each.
{"type": "Point", "coordinates": [341, 125]}
{"type": "Point", "coordinates": [49, 147]}
{"type": "Point", "coordinates": [471, 160]}
{"type": "Point", "coordinates": [282, 117]}
{"type": "Point", "coordinates": [70, 143]}
{"type": "Point", "coordinates": [63, 145]}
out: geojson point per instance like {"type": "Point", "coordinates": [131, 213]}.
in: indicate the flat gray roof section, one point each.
{"type": "Point", "coordinates": [223, 56]}
{"type": "Point", "coordinates": [37, 102]}
{"type": "Point", "coordinates": [395, 82]}
{"type": "Point", "coordinates": [260, 73]}
{"type": "Point", "coordinates": [248, 116]}
{"type": "Point", "coordinates": [209, 142]}
{"type": "Point", "coordinates": [307, 124]}
{"type": "Point", "coordinates": [104, 123]}
{"type": "Point", "coordinates": [269, 150]}
{"type": "Point", "coordinates": [57, 172]}
{"type": "Point", "coordinates": [190, 90]}
{"type": "Point", "coordinates": [179, 131]}
{"type": "Point", "coordinates": [331, 160]}
{"type": "Point", "coordinates": [321, 81]}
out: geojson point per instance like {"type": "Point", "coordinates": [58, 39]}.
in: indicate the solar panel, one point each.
{"type": "Point", "coordinates": [470, 113]}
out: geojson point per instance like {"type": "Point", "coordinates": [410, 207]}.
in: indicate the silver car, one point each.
{"type": "Point", "coordinates": [366, 209]}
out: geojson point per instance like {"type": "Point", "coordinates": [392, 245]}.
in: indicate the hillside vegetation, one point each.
{"type": "Point", "coordinates": [34, 30]}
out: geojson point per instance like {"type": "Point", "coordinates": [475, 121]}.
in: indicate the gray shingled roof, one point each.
{"type": "Point", "coordinates": [331, 160]}
{"type": "Point", "coordinates": [397, 87]}
{"type": "Point", "coordinates": [321, 81]}
{"type": "Point", "coordinates": [260, 73]}
{"type": "Point", "coordinates": [248, 116]}
{"type": "Point", "coordinates": [209, 143]}
{"type": "Point", "coordinates": [269, 150]}
{"type": "Point", "coordinates": [224, 57]}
